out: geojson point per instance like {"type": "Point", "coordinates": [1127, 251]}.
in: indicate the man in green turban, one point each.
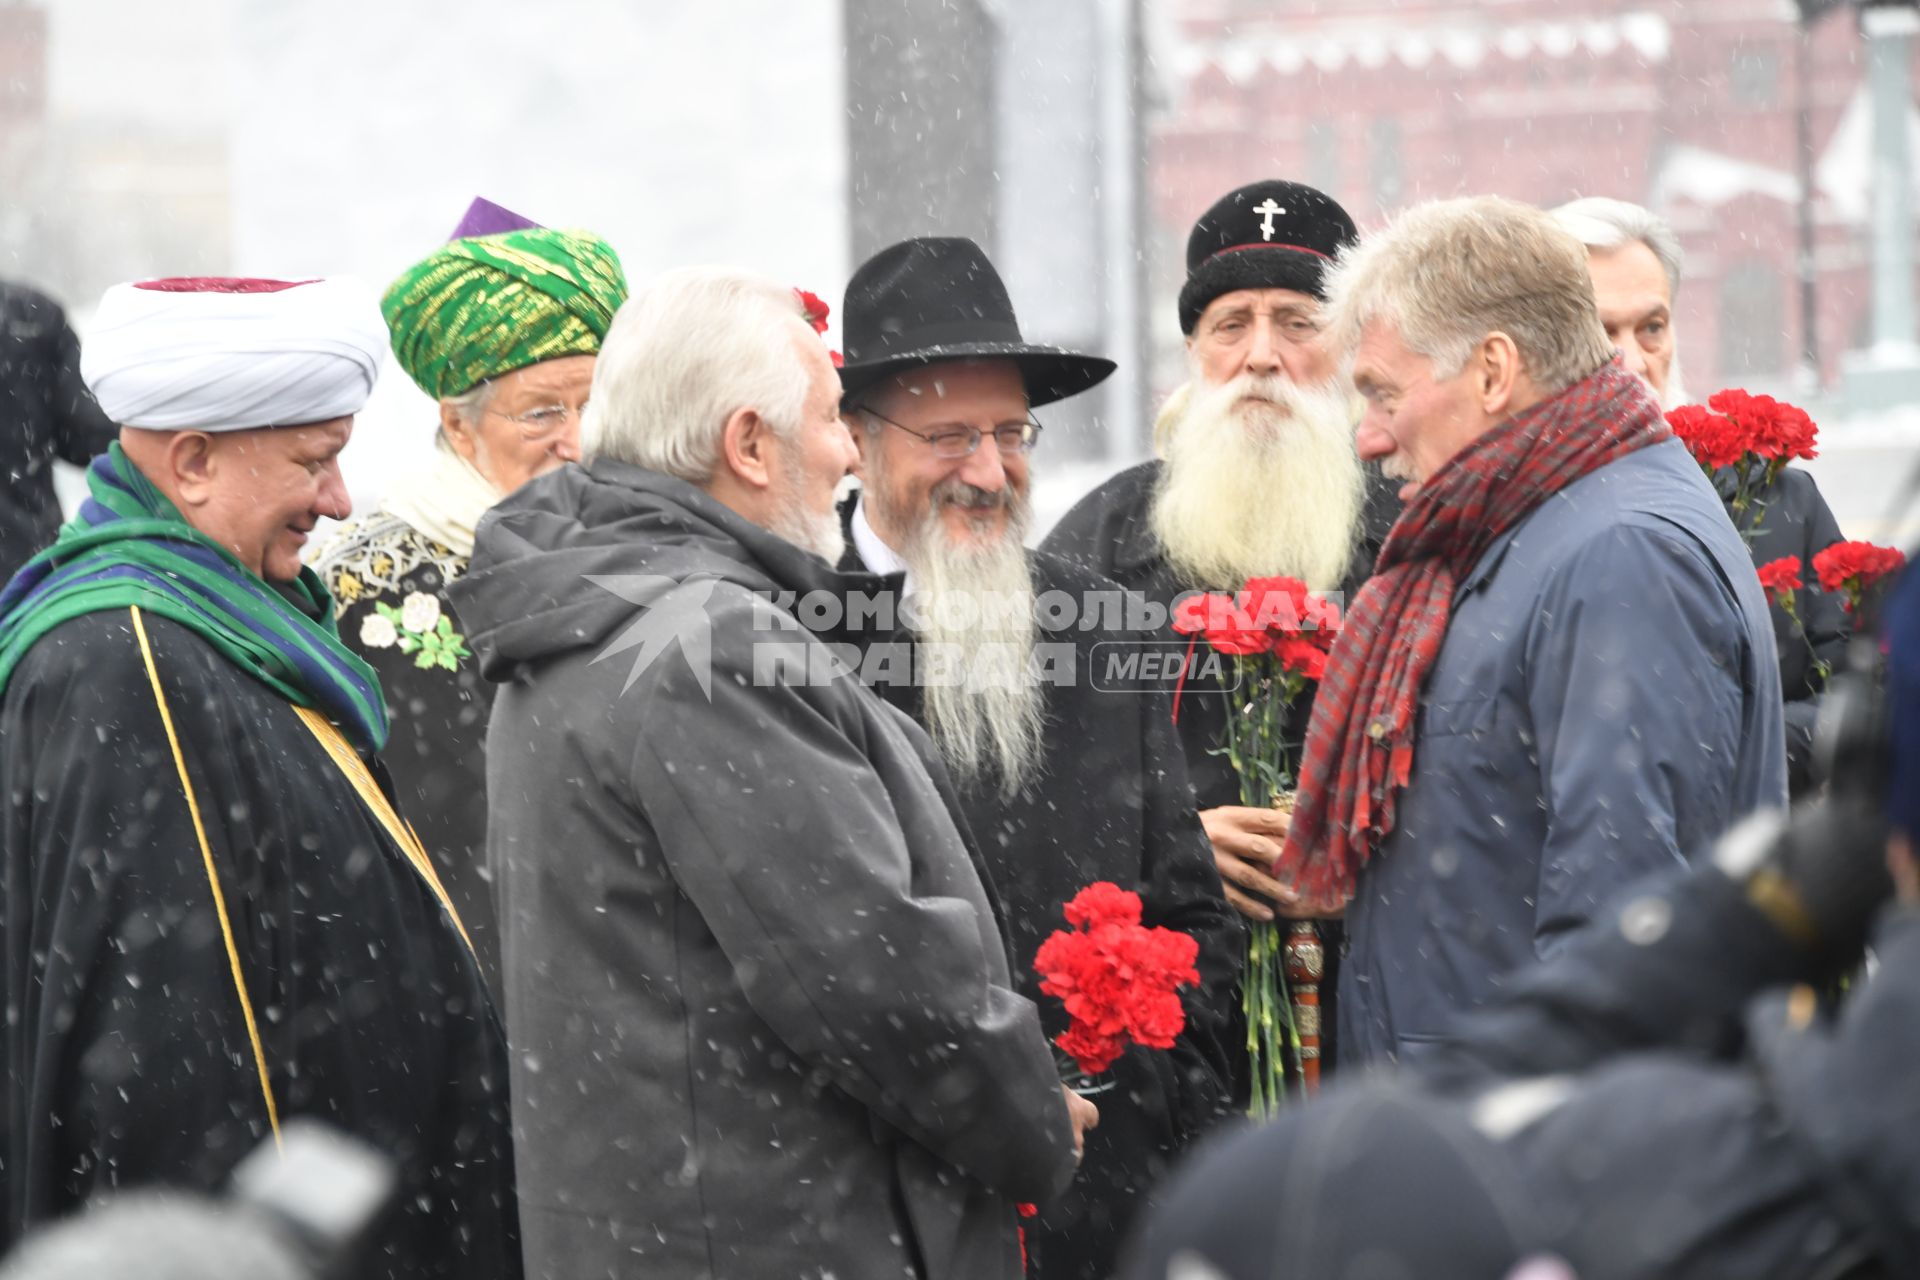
{"type": "Point", "coordinates": [500, 325]}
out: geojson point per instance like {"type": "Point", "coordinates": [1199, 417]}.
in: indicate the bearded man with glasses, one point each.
{"type": "Point", "coordinates": [501, 326]}
{"type": "Point", "coordinates": [1065, 778]}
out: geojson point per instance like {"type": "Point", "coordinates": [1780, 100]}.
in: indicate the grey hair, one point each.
{"type": "Point", "coordinates": [1447, 273]}
{"type": "Point", "coordinates": [684, 355]}
{"type": "Point", "coordinates": [471, 405]}
{"type": "Point", "coordinates": [1600, 222]}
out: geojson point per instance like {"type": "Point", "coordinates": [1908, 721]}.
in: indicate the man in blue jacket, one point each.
{"type": "Point", "coordinates": [1561, 676]}
{"type": "Point", "coordinates": [1661, 1101]}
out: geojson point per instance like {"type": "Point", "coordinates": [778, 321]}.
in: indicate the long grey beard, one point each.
{"type": "Point", "coordinates": [972, 611]}
{"type": "Point", "coordinates": [1260, 490]}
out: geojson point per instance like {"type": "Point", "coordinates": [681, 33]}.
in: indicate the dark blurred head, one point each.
{"type": "Point", "coordinates": [1370, 1183]}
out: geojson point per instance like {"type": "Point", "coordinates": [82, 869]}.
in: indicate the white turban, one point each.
{"type": "Point", "coordinates": [233, 355]}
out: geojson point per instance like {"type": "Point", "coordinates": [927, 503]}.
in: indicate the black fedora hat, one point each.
{"type": "Point", "coordinates": [938, 298]}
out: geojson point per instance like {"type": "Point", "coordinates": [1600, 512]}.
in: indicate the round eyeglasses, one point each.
{"type": "Point", "coordinates": [542, 424]}
{"type": "Point", "coordinates": [956, 440]}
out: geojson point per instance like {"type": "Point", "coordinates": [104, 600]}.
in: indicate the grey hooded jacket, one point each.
{"type": "Point", "coordinates": [761, 1017]}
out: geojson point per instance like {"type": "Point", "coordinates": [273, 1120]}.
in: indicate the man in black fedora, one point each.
{"type": "Point", "coordinates": [1063, 782]}
{"type": "Point", "coordinates": [1257, 474]}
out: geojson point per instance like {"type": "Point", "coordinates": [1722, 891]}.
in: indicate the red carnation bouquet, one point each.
{"type": "Point", "coordinates": [1118, 979]}
{"type": "Point", "coordinates": [1756, 436]}
{"type": "Point", "coordinates": [1277, 634]}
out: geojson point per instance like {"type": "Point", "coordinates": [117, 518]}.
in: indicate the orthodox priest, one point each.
{"type": "Point", "coordinates": [501, 326]}
{"type": "Point", "coordinates": [215, 918]}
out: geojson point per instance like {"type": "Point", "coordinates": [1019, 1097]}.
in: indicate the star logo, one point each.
{"type": "Point", "coordinates": [674, 611]}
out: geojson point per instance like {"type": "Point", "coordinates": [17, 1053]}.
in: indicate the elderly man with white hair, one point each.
{"type": "Point", "coordinates": [1560, 676]}
{"type": "Point", "coordinates": [764, 1014]}
{"type": "Point", "coordinates": [1634, 259]}
{"type": "Point", "coordinates": [216, 919]}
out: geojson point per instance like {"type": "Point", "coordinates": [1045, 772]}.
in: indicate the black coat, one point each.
{"type": "Point", "coordinates": [1111, 802]}
{"type": "Point", "coordinates": [127, 1055]}
{"type": "Point", "coordinates": [437, 751]}
{"type": "Point", "coordinates": [1798, 1139]}
{"type": "Point", "coordinates": [1110, 531]}
{"type": "Point", "coordinates": [1654, 1103]}
{"type": "Point", "coordinates": [45, 413]}
{"type": "Point", "coordinates": [1794, 520]}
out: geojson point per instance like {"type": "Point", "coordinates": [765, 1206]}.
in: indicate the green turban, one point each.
{"type": "Point", "coordinates": [481, 307]}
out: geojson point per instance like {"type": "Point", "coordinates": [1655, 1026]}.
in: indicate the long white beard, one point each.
{"type": "Point", "coordinates": [972, 612]}
{"type": "Point", "coordinates": [1257, 490]}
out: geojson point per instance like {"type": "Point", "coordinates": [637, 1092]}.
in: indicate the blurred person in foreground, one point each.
{"type": "Point", "coordinates": [1634, 259]}
{"type": "Point", "coordinates": [216, 919]}
{"type": "Point", "coordinates": [46, 413]}
{"type": "Point", "coordinates": [1063, 781]}
{"type": "Point", "coordinates": [500, 326]}
{"type": "Point", "coordinates": [1663, 1100]}
{"type": "Point", "coordinates": [1561, 675]}
{"type": "Point", "coordinates": [763, 1018]}
{"type": "Point", "coordinates": [1257, 477]}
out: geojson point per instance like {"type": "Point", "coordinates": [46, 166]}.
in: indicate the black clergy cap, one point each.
{"type": "Point", "coordinates": [1266, 235]}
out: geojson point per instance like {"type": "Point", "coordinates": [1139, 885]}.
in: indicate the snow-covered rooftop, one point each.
{"type": "Point", "coordinates": [1463, 43]}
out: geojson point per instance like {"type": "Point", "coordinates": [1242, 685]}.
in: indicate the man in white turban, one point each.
{"type": "Point", "coordinates": [216, 920]}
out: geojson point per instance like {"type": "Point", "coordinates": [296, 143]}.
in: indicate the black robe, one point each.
{"type": "Point", "coordinates": [128, 1058]}
{"type": "Point", "coordinates": [437, 753]}
{"type": "Point", "coordinates": [1111, 802]}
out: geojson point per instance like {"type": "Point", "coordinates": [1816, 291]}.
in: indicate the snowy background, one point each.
{"type": "Point", "coordinates": [293, 139]}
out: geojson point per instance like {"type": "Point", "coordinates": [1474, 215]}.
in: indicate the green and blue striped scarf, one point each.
{"type": "Point", "coordinates": [129, 545]}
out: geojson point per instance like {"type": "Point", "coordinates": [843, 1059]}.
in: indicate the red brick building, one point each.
{"type": "Point", "coordinates": [1688, 106]}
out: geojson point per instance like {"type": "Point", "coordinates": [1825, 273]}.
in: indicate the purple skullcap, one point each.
{"type": "Point", "coordinates": [485, 218]}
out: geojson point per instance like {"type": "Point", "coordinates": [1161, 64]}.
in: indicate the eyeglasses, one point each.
{"type": "Point", "coordinates": [953, 440]}
{"type": "Point", "coordinates": [543, 424]}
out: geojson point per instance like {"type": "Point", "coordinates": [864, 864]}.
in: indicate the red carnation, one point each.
{"type": "Point", "coordinates": [1773, 430]}
{"type": "Point", "coordinates": [1854, 567]}
{"type": "Point", "coordinates": [1116, 978]}
{"type": "Point", "coordinates": [1302, 655]}
{"type": "Point", "coordinates": [816, 310]}
{"type": "Point", "coordinates": [1781, 578]}
{"type": "Point", "coordinates": [1712, 439]}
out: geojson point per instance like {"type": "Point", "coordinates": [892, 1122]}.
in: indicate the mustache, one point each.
{"type": "Point", "coordinates": [970, 497]}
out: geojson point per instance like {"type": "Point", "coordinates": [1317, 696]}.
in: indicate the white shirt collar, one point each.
{"type": "Point", "coordinates": [875, 553]}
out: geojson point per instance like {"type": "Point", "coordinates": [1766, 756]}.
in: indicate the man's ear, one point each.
{"type": "Point", "coordinates": [193, 462]}
{"type": "Point", "coordinates": [747, 449]}
{"type": "Point", "coordinates": [1497, 373]}
{"type": "Point", "coordinates": [862, 441]}
{"type": "Point", "coordinates": [458, 431]}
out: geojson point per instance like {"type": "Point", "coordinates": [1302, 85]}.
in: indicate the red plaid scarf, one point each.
{"type": "Point", "coordinates": [1359, 750]}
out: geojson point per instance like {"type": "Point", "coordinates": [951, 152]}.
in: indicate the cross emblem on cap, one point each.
{"type": "Point", "coordinates": [1267, 212]}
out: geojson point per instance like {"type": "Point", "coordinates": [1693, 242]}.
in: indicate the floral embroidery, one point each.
{"type": "Point", "coordinates": [434, 645]}
{"type": "Point", "coordinates": [348, 588]}
{"type": "Point", "coordinates": [419, 612]}
{"type": "Point", "coordinates": [378, 632]}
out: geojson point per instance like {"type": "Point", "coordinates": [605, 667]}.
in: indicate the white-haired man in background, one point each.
{"type": "Point", "coordinates": [1634, 260]}
{"type": "Point", "coordinates": [761, 1005]}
